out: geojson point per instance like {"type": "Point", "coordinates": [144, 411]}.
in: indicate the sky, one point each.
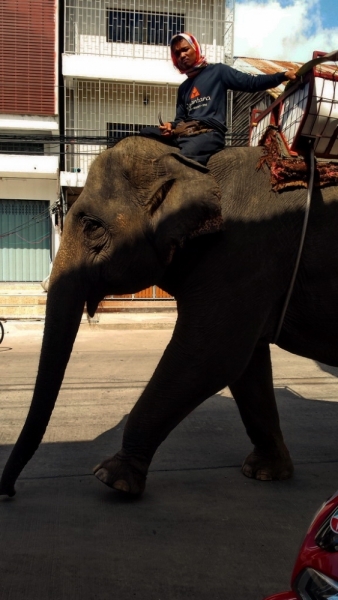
{"type": "Point", "coordinates": [285, 29]}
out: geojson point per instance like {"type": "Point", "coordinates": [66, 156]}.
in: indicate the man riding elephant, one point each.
{"type": "Point", "coordinates": [199, 125]}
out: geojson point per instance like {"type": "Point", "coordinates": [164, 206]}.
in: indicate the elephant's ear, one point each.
{"type": "Point", "coordinates": [184, 202]}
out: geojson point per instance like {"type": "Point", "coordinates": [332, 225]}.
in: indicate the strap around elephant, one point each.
{"type": "Point", "coordinates": [300, 249]}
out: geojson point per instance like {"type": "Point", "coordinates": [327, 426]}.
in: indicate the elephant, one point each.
{"type": "Point", "coordinates": [224, 245]}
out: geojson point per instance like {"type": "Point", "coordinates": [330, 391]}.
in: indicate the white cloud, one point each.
{"type": "Point", "coordinates": [270, 30]}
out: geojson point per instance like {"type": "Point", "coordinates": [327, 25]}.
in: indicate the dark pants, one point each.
{"type": "Point", "coordinates": [197, 147]}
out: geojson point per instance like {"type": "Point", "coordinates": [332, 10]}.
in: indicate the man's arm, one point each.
{"type": "Point", "coordinates": [244, 82]}
{"type": "Point", "coordinates": [166, 128]}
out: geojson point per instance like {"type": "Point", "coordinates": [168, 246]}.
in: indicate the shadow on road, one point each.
{"type": "Point", "coordinates": [201, 531]}
{"type": "Point", "coordinates": [212, 437]}
{"type": "Point", "coordinates": [327, 369]}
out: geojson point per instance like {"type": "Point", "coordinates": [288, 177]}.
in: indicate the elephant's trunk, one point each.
{"type": "Point", "coordinates": [63, 315]}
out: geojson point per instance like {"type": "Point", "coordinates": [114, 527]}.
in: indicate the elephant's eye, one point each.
{"type": "Point", "coordinates": [91, 224]}
{"type": "Point", "coordinates": [95, 232]}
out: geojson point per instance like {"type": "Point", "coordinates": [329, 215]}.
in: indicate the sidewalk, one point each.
{"type": "Point", "coordinates": [118, 320]}
{"type": "Point", "coordinates": [26, 303]}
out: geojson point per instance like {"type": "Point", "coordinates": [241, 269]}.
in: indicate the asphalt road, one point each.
{"type": "Point", "coordinates": [201, 531]}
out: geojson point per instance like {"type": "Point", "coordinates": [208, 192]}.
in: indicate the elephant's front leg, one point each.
{"type": "Point", "coordinates": [186, 375]}
{"type": "Point", "coordinates": [255, 398]}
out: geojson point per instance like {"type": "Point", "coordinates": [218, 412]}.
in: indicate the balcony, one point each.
{"type": "Point", "coordinates": [29, 166]}
{"type": "Point", "coordinates": [130, 62]}
{"type": "Point", "coordinates": [31, 123]}
{"type": "Point", "coordinates": [122, 69]}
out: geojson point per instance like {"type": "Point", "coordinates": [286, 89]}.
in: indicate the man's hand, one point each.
{"type": "Point", "coordinates": [291, 75]}
{"type": "Point", "coordinates": [166, 129]}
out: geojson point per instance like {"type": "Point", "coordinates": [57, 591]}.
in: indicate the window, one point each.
{"type": "Point", "coordinates": [142, 27]}
{"type": "Point", "coordinates": [21, 148]}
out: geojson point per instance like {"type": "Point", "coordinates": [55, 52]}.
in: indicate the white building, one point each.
{"type": "Point", "coordinates": [117, 70]}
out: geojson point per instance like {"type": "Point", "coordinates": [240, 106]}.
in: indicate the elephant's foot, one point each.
{"type": "Point", "coordinates": [124, 474]}
{"type": "Point", "coordinates": [265, 465]}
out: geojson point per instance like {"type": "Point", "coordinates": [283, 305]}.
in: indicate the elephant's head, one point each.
{"type": "Point", "coordinates": [141, 201]}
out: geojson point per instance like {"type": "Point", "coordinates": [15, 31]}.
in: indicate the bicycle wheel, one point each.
{"type": "Point", "coordinates": [2, 332]}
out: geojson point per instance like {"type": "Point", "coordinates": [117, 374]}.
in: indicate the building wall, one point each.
{"type": "Point", "coordinates": [29, 164]}
{"type": "Point", "coordinates": [32, 189]}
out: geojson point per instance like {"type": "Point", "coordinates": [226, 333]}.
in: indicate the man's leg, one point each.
{"type": "Point", "coordinates": [201, 147]}
{"type": "Point", "coordinates": [154, 132]}
{"type": "Point", "coordinates": [150, 130]}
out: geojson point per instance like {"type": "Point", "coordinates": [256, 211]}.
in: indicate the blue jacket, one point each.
{"type": "Point", "coordinates": [204, 97]}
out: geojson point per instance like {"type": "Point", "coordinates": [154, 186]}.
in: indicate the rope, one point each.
{"type": "Point", "coordinates": [300, 249]}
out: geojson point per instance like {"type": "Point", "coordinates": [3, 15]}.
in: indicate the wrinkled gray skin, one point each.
{"type": "Point", "coordinates": [149, 216]}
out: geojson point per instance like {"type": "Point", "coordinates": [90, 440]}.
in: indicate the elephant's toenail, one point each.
{"type": "Point", "coordinates": [121, 486]}
{"type": "Point", "coordinates": [247, 471]}
{"type": "Point", "coordinates": [263, 476]}
{"type": "Point", "coordinates": [102, 475]}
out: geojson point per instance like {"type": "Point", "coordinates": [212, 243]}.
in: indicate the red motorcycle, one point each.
{"type": "Point", "coordinates": [315, 574]}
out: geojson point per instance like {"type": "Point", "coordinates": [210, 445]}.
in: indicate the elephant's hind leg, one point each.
{"type": "Point", "coordinates": [255, 398]}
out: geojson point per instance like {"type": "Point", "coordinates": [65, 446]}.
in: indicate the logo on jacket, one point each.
{"type": "Point", "coordinates": [198, 103]}
{"type": "Point", "coordinates": [195, 93]}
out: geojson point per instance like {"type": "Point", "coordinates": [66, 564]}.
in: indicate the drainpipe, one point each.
{"type": "Point", "coordinates": [61, 96]}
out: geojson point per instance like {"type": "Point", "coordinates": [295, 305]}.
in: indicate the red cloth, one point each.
{"type": "Point", "coordinates": [193, 42]}
{"type": "Point", "coordinates": [292, 172]}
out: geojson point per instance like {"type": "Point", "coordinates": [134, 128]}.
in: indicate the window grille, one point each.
{"type": "Point", "coordinates": [143, 28]}
{"type": "Point", "coordinates": [107, 111]}
{"type": "Point", "coordinates": [127, 26]}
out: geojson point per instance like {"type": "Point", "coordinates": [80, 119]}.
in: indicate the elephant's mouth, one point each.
{"type": "Point", "coordinates": [92, 302]}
